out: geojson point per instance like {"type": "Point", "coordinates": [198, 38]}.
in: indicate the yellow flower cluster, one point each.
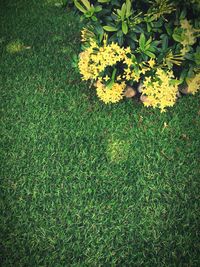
{"type": "Point", "coordinates": [160, 90]}
{"type": "Point", "coordinates": [95, 59]}
{"type": "Point", "coordinates": [86, 69]}
{"type": "Point", "coordinates": [194, 84]}
{"type": "Point", "coordinates": [188, 34]}
{"type": "Point", "coordinates": [131, 74]}
{"type": "Point", "coordinates": [111, 95]}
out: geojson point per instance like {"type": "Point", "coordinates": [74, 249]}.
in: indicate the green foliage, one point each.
{"type": "Point", "coordinates": [89, 10]}
{"type": "Point", "coordinates": [167, 31]}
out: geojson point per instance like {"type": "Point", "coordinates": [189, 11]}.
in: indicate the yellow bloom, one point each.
{"type": "Point", "coordinates": [94, 60]}
{"type": "Point", "coordinates": [147, 81]}
{"type": "Point", "coordinates": [135, 76]}
{"type": "Point", "coordinates": [128, 50]}
{"type": "Point", "coordinates": [144, 70]}
{"type": "Point", "coordinates": [118, 78]}
{"type": "Point", "coordinates": [128, 61]}
{"type": "Point", "coordinates": [185, 24]}
{"type": "Point", "coordinates": [193, 84]}
{"type": "Point", "coordinates": [106, 78]}
{"type": "Point", "coordinates": [188, 34]}
{"type": "Point", "coordinates": [112, 95]}
{"type": "Point", "coordinates": [151, 63]}
{"type": "Point", "coordinates": [160, 91]}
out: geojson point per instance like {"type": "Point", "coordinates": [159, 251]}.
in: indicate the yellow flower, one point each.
{"type": "Point", "coordinates": [151, 63]}
{"type": "Point", "coordinates": [128, 61]}
{"type": "Point", "coordinates": [135, 76]}
{"type": "Point", "coordinates": [112, 95]}
{"type": "Point", "coordinates": [160, 90]}
{"type": "Point", "coordinates": [144, 70]}
{"type": "Point", "coordinates": [106, 78]}
{"type": "Point", "coordinates": [128, 50]}
{"type": "Point", "coordinates": [185, 24]}
{"type": "Point", "coordinates": [147, 81]}
{"type": "Point", "coordinates": [94, 60]}
{"type": "Point", "coordinates": [193, 84]}
{"type": "Point", "coordinates": [176, 59]}
{"type": "Point", "coordinates": [188, 35]}
{"type": "Point", "coordinates": [118, 78]}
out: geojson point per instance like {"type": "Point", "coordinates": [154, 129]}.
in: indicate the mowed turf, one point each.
{"type": "Point", "coordinates": [84, 183]}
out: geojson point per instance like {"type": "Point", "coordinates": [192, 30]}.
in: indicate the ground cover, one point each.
{"type": "Point", "coordinates": [84, 183]}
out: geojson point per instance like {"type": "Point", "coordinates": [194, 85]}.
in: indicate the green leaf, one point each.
{"type": "Point", "coordinates": [86, 4]}
{"type": "Point", "coordinates": [177, 37]}
{"type": "Point", "coordinates": [142, 41]}
{"type": "Point", "coordinates": [189, 56]}
{"type": "Point", "coordinates": [148, 42]}
{"type": "Point", "coordinates": [88, 14]}
{"type": "Point", "coordinates": [124, 27]}
{"type": "Point", "coordinates": [128, 8]}
{"type": "Point", "coordinates": [183, 75]}
{"type": "Point", "coordinates": [133, 58]}
{"type": "Point", "coordinates": [197, 55]}
{"type": "Point", "coordinates": [136, 70]}
{"type": "Point", "coordinates": [148, 27]}
{"type": "Point", "coordinates": [98, 29]}
{"type": "Point", "coordinates": [110, 84]}
{"type": "Point", "coordinates": [138, 29]}
{"type": "Point", "coordinates": [123, 11]}
{"type": "Point", "coordinates": [150, 54]}
{"type": "Point", "coordinates": [98, 8]}
{"type": "Point", "coordinates": [79, 6]}
{"type": "Point", "coordinates": [119, 12]}
{"type": "Point", "coordinates": [165, 42]}
{"type": "Point", "coordinates": [169, 28]}
{"type": "Point", "coordinates": [100, 37]}
{"type": "Point", "coordinates": [103, 1]}
{"type": "Point", "coordinates": [155, 43]}
{"type": "Point", "coordinates": [92, 9]}
{"type": "Point", "coordinates": [191, 72]}
{"type": "Point", "coordinates": [183, 14]}
{"type": "Point", "coordinates": [113, 74]}
{"type": "Point", "coordinates": [152, 48]}
{"type": "Point", "coordinates": [94, 18]}
{"type": "Point", "coordinates": [175, 82]}
{"type": "Point", "coordinates": [110, 28]}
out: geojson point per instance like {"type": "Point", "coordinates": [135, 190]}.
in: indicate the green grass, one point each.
{"type": "Point", "coordinates": [83, 183]}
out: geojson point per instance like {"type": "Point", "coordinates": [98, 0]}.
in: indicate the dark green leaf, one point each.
{"type": "Point", "coordinates": [177, 37]}
{"type": "Point", "coordinates": [142, 41]}
{"type": "Point", "coordinates": [164, 42]}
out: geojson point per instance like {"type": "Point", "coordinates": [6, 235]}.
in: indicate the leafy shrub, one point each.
{"type": "Point", "coordinates": [151, 45]}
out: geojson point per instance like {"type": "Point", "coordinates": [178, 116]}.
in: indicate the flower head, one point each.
{"type": "Point", "coordinates": [151, 63]}
{"type": "Point", "coordinates": [160, 90]}
{"type": "Point", "coordinates": [189, 37]}
{"type": "Point", "coordinates": [110, 95]}
{"type": "Point", "coordinates": [95, 59]}
{"type": "Point", "coordinates": [194, 84]}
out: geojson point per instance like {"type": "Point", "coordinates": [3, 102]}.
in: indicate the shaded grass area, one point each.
{"type": "Point", "coordinates": [83, 183]}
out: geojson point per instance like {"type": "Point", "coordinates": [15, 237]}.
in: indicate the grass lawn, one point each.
{"type": "Point", "coordinates": [84, 183]}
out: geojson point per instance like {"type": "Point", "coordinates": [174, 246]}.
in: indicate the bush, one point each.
{"type": "Point", "coordinates": [150, 45]}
